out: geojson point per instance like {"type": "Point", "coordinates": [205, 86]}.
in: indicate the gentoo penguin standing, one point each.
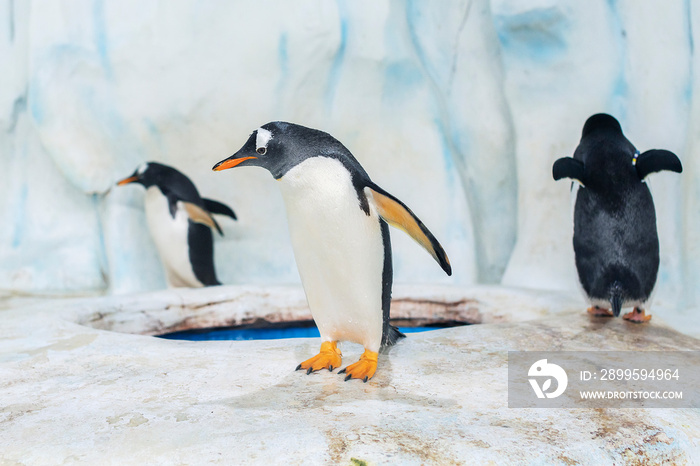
{"type": "Point", "coordinates": [615, 239]}
{"type": "Point", "coordinates": [180, 221]}
{"type": "Point", "coordinates": [338, 224]}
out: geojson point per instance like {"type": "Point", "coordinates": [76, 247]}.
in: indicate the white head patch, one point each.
{"type": "Point", "coordinates": [142, 168]}
{"type": "Point", "coordinates": [262, 138]}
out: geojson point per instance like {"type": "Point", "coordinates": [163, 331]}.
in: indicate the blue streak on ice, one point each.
{"type": "Point", "coordinates": [102, 253]}
{"type": "Point", "coordinates": [11, 17]}
{"type": "Point", "coordinates": [337, 65]}
{"type": "Point", "coordinates": [402, 76]}
{"type": "Point", "coordinates": [689, 16]}
{"type": "Point", "coordinates": [38, 81]}
{"type": "Point", "coordinates": [155, 134]}
{"type": "Point", "coordinates": [19, 107]}
{"type": "Point", "coordinates": [445, 145]}
{"type": "Point", "coordinates": [34, 97]}
{"type": "Point", "coordinates": [538, 34]}
{"type": "Point", "coordinates": [100, 26]}
{"type": "Point", "coordinates": [400, 79]}
{"type": "Point", "coordinates": [620, 90]}
{"type": "Point", "coordinates": [20, 209]}
{"type": "Point", "coordinates": [414, 16]}
{"type": "Point", "coordinates": [442, 114]}
{"type": "Point", "coordinates": [688, 94]}
{"type": "Point", "coordinates": [283, 59]}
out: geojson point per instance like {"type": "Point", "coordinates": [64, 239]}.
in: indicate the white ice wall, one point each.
{"type": "Point", "coordinates": [458, 108]}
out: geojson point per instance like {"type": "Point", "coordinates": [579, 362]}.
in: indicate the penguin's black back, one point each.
{"type": "Point", "coordinates": [615, 237]}
{"type": "Point", "coordinates": [615, 240]}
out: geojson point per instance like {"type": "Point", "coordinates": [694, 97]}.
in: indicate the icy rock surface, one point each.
{"type": "Point", "coordinates": [458, 110]}
{"type": "Point", "coordinates": [440, 397]}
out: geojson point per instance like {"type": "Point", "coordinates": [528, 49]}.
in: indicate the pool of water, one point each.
{"type": "Point", "coordinates": [261, 333]}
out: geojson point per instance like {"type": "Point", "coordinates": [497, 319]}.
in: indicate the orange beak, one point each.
{"type": "Point", "coordinates": [128, 180]}
{"type": "Point", "coordinates": [230, 163]}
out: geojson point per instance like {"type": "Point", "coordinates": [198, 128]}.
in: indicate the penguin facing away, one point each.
{"type": "Point", "coordinates": [180, 222]}
{"type": "Point", "coordinates": [338, 225]}
{"type": "Point", "coordinates": [616, 244]}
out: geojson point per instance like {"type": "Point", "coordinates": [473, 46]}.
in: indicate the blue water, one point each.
{"type": "Point", "coordinates": [261, 333]}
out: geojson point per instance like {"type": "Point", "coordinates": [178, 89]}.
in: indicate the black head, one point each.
{"type": "Point", "coordinates": [603, 159]}
{"type": "Point", "coordinates": [168, 179]}
{"type": "Point", "coordinates": [280, 146]}
{"type": "Point", "coordinates": [606, 153]}
{"type": "Point", "coordinates": [603, 123]}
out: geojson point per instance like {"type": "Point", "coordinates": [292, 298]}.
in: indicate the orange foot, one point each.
{"type": "Point", "coordinates": [637, 315]}
{"type": "Point", "coordinates": [329, 358]}
{"type": "Point", "coordinates": [364, 368]}
{"type": "Point", "coordinates": [599, 311]}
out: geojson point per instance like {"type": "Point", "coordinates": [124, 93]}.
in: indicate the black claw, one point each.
{"type": "Point", "coordinates": [330, 368]}
{"type": "Point", "coordinates": [366, 379]}
{"type": "Point", "coordinates": [342, 371]}
{"type": "Point", "coordinates": [298, 367]}
{"type": "Point", "coordinates": [348, 378]}
{"type": "Point", "coordinates": [309, 371]}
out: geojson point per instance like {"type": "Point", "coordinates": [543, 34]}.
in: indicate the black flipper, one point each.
{"type": "Point", "coordinates": [657, 160]}
{"type": "Point", "coordinates": [568, 167]}
{"type": "Point", "coordinates": [390, 334]}
{"type": "Point", "coordinates": [216, 207]}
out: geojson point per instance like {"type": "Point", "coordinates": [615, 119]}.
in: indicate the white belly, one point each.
{"type": "Point", "coordinates": [338, 250]}
{"type": "Point", "coordinates": [170, 237]}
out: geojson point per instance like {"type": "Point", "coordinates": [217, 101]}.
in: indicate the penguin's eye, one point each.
{"type": "Point", "coordinates": [261, 150]}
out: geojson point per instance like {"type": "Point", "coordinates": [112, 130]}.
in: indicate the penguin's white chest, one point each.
{"type": "Point", "coordinates": [338, 250]}
{"type": "Point", "coordinates": [170, 236]}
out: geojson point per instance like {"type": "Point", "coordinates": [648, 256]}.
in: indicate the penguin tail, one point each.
{"type": "Point", "coordinates": [392, 336]}
{"type": "Point", "coordinates": [616, 293]}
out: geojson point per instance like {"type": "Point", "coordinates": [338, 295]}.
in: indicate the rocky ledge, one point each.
{"type": "Point", "coordinates": [77, 389]}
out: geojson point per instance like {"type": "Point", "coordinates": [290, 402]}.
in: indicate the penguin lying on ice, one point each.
{"type": "Point", "coordinates": [180, 221]}
{"type": "Point", "coordinates": [338, 224]}
{"type": "Point", "coordinates": [615, 239]}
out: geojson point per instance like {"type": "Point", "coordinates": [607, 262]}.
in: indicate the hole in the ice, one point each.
{"type": "Point", "coordinates": [299, 329]}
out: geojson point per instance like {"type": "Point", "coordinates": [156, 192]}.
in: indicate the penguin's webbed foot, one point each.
{"type": "Point", "coordinates": [599, 311]}
{"type": "Point", "coordinates": [329, 358]}
{"type": "Point", "coordinates": [637, 316]}
{"type": "Point", "coordinates": [363, 369]}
